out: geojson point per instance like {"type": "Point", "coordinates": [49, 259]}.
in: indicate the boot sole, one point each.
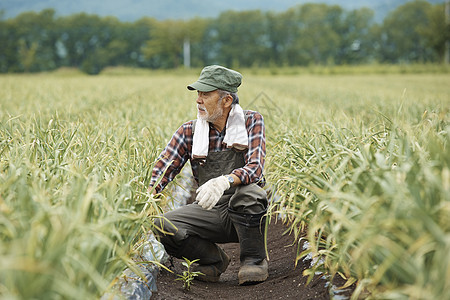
{"type": "Point", "coordinates": [253, 274]}
{"type": "Point", "coordinates": [250, 280]}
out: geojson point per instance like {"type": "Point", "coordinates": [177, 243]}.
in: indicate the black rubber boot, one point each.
{"type": "Point", "coordinates": [254, 266]}
{"type": "Point", "coordinates": [213, 261]}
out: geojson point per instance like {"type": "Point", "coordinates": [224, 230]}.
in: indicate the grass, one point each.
{"type": "Point", "coordinates": [369, 182]}
{"type": "Point", "coordinates": [75, 164]}
{"type": "Point", "coordinates": [359, 160]}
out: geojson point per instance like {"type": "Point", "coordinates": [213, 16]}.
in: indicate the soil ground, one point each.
{"type": "Point", "coordinates": [285, 279]}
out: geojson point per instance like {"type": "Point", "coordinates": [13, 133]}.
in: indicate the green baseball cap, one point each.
{"type": "Point", "coordinates": [217, 77]}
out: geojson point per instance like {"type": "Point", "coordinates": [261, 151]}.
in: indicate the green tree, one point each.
{"type": "Point", "coordinates": [402, 34]}
{"type": "Point", "coordinates": [110, 48]}
{"type": "Point", "coordinates": [240, 38]}
{"type": "Point", "coordinates": [303, 35]}
{"type": "Point", "coordinates": [27, 54]}
{"type": "Point", "coordinates": [438, 31]}
{"type": "Point", "coordinates": [282, 33]}
{"type": "Point", "coordinates": [91, 42]}
{"type": "Point", "coordinates": [165, 46]}
{"type": "Point", "coordinates": [315, 38]}
{"type": "Point", "coordinates": [196, 30]}
{"type": "Point", "coordinates": [79, 37]}
{"type": "Point", "coordinates": [136, 36]}
{"type": "Point", "coordinates": [35, 38]}
{"type": "Point", "coordinates": [319, 39]}
{"type": "Point", "coordinates": [9, 60]}
{"type": "Point", "coordinates": [356, 40]}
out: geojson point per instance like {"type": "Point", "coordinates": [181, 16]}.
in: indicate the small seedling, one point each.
{"type": "Point", "coordinates": [188, 276]}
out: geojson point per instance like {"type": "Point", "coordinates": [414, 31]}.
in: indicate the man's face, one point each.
{"type": "Point", "coordinates": [209, 108]}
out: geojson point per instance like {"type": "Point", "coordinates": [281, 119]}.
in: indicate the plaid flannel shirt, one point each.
{"type": "Point", "coordinates": [179, 150]}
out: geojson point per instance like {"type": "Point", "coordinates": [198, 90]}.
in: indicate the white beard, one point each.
{"type": "Point", "coordinates": [211, 118]}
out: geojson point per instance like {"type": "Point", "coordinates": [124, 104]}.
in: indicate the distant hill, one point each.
{"type": "Point", "coordinates": [131, 10]}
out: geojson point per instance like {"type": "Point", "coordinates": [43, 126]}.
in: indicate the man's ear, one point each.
{"type": "Point", "coordinates": [228, 100]}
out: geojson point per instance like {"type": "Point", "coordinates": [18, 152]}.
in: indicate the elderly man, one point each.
{"type": "Point", "coordinates": [226, 148]}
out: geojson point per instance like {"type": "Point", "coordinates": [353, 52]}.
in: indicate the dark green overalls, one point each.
{"type": "Point", "coordinates": [192, 232]}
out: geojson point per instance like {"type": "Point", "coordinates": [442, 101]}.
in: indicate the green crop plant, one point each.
{"type": "Point", "coordinates": [75, 163]}
{"type": "Point", "coordinates": [372, 196]}
{"type": "Point", "coordinates": [187, 276]}
{"type": "Point", "coordinates": [359, 162]}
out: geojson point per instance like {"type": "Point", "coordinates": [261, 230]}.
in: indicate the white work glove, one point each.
{"type": "Point", "coordinates": [210, 192]}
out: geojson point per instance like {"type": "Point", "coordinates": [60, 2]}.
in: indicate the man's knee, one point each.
{"type": "Point", "coordinates": [250, 199]}
{"type": "Point", "coordinates": [168, 234]}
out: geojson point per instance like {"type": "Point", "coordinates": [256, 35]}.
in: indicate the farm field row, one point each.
{"type": "Point", "coordinates": [359, 161]}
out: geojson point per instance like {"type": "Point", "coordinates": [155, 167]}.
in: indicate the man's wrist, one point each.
{"type": "Point", "coordinates": [230, 180]}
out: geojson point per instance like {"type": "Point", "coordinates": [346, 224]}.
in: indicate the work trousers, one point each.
{"type": "Point", "coordinates": [213, 225]}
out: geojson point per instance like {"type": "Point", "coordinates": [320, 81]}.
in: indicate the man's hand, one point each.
{"type": "Point", "coordinates": [210, 192]}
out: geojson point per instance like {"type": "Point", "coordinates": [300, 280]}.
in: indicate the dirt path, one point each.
{"type": "Point", "coordinates": [285, 280]}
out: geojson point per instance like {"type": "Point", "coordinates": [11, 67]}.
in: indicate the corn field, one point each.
{"type": "Point", "coordinates": [361, 163]}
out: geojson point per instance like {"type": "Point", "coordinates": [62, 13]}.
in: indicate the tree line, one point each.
{"type": "Point", "coordinates": [318, 34]}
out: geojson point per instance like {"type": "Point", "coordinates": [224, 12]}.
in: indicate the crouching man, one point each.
{"type": "Point", "coordinates": [226, 148]}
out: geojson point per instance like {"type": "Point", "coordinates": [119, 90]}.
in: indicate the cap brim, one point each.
{"type": "Point", "coordinates": [201, 87]}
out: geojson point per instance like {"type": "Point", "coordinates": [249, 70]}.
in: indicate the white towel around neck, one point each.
{"type": "Point", "coordinates": [235, 137]}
